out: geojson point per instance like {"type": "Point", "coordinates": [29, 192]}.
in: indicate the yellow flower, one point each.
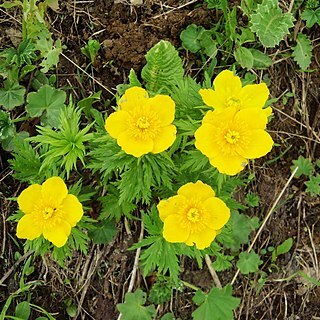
{"type": "Point", "coordinates": [228, 92]}
{"type": "Point", "coordinates": [142, 124]}
{"type": "Point", "coordinates": [49, 210]}
{"type": "Point", "coordinates": [193, 216]}
{"type": "Point", "coordinates": [228, 138]}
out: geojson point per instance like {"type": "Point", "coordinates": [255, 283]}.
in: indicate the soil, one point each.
{"type": "Point", "coordinates": [98, 281]}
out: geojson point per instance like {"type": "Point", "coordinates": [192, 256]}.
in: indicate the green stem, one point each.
{"type": "Point", "coordinates": [20, 119]}
{"type": "Point", "coordinates": [191, 286]}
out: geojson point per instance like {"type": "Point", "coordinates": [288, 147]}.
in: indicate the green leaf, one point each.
{"type": "Point", "coordinates": [246, 36]}
{"type": "Point", "coordinates": [103, 232]}
{"type": "Point", "coordinates": [217, 305]}
{"type": "Point", "coordinates": [270, 24]}
{"type": "Point", "coordinates": [252, 200]}
{"type": "Point", "coordinates": [260, 59]}
{"type": "Point", "coordinates": [244, 57]}
{"type": "Point", "coordinates": [23, 310]}
{"type": "Point", "coordinates": [248, 262]}
{"type": "Point", "coordinates": [7, 128]}
{"type": "Point", "coordinates": [161, 290]}
{"type": "Point", "coordinates": [163, 67]}
{"type": "Point", "coordinates": [283, 248]}
{"type": "Point", "coordinates": [305, 167]}
{"type": "Point", "coordinates": [47, 103]}
{"type": "Point", "coordinates": [302, 52]}
{"type": "Point", "coordinates": [222, 262]}
{"type": "Point", "coordinates": [133, 308]}
{"type": "Point", "coordinates": [313, 185]}
{"type": "Point", "coordinates": [311, 17]}
{"type": "Point", "coordinates": [11, 95]}
{"type": "Point", "coordinates": [90, 50]}
{"type": "Point", "coordinates": [190, 37]}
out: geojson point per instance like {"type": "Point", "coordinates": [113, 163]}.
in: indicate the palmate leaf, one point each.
{"type": "Point", "coordinates": [217, 305]}
{"type": "Point", "coordinates": [270, 23]}
{"type": "Point", "coordinates": [248, 262]}
{"type": "Point", "coordinates": [163, 67]}
{"type": "Point", "coordinates": [133, 308]}
{"type": "Point", "coordinates": [305, 167]}
{"type": "Point", "coordinates": [302, 52]}
{"type": "Point", "coordinates": [11, 95]}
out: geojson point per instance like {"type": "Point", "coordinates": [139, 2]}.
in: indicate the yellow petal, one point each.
{"type": "Point", "coordinates": [29, 198]}
{"type": "Point", "coordinates": [134, 146]}
{"type": "Point", "coordinates": [58, 234]}
{"type": "Point", "coordinates": [199, 191]}
{"type": "Point", "coordinates": [164, 139]}
{"type": "Point", "coordinates": [251, 118]}
{"type": "Point", "coordinates": [205, 141]}
{"type": "Point", "coordinates": [53, 191]}
{"type": "Point", "coordinates": [218, 117]}
{"type": "Point", "coordinates": [259, 145]}
{"type": "Point", "coordinates": [227, 85]}
{"type": "Point", "coordinates": [201, 239]}
{"type": "Point", "coordinates": [173, 229]}
{"type": "Point", "coordinates": [212, 98]}
{"type": "Point", "coordinates": [28, 228]}
{"type": "Point", "coordinates": [218, 213]}
{"type": "Point", "coordinates": [72, 210]}
{"type": "Point", "coordinates": [132, 98]}
{"type": "Point", "coordinates": [117, 123]}
{"type": "Point", "coordinates": [254, 95]}
{"type": "Point", "coordinates": [164, 107]}
{"type": "Point", "coordinates": [228, 164]}
{"type": "Point", "coordinates": [170, 206]}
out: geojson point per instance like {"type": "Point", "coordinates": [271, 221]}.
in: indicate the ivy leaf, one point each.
{"type": "Point", "coordinates": [311, 17]}
{"type": "Point", "coordinates": [260, 59]}
{"type": "Point", "coordinates": [302, 52]}
{"type": "Point", "coordinates": [133, 308]}
{"type": "Point", "coordinates": [217, 305]}
{"type": "Point", "coordinates": [103, 232]}
{"type": "Point", "coordinates": [46, 103]}
{"type": "Point", "coordinates": [305, 167]}
{"type": "Point", "coordinates": [248, 262]}
{"type": "Point", "coordinates": [244, 57]}
{"type": "Point", "coordinates": [313, 185]}
{"type": "Point", "coordinates": [11, 95]}
{"type": "Point", "coordinates": [270, 24]}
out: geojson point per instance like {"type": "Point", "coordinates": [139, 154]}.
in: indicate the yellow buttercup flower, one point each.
{"type": "Point", "coordinates": [228, 92]}
{"type": "Point", "coordinates": [229, 138]}
{"type": "Point", "coordinates": [194, 216]}
{"type": "Point", "coordinates": [142, 124]}
{"type": "Point", "coordinates": [49, 211]}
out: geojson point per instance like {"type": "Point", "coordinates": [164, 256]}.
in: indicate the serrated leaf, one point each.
{"type": "Point", "coordinates": [248, 262]}
{"type": "Point", "coordinates": [133, 308]}
{"type": "Point", "coordinates": [270, 23]}
{"type": "Point", "coordinates": [313, 185]}
{"type": "Point", "coordinates": [11, 95]}
{"type": "Point", "coordinates": [260, 59]}
{"type": "Point", "coordinates": [222, 262]}
{"type": "Point", "coordinates": [305, 167]}
{"type": "Point", "coordinates": [244, 57]}
{"type": "Point", "coordinates": [217, 305]}
{"type": "Point", "coordinates": [48, 103]}
{"type": "Point", "coordinates": [311, 17]}
{"type": "Point", "coordinates": [163, 68]}
{"type": "Point", "coordinates": [103, 232]}
{"type": "Point", "coordinates": [302, 52]}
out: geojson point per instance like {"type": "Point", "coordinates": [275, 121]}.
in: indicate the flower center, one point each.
{"type": "Point", "coordinates": [232, 136]}
{"type": "Point", "coordinates": [233, 102]}
{"type": "Point", "coordinates": [143, 123]}
{"type": "Point", "coordinates": [48, 213]}
{"type": "Point", "coordinates": [193, 215]}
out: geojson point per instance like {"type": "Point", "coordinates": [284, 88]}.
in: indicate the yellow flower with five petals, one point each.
{"type": "Point", "coordinates": [142, 124]}
{"type": "Point", "coordinates": [230, 137]}
{"type": "Point", "coordinates": [194, 216]}
{"type": "Point", "coordinates": [49, 211]}
{"type": "Point", "coordinates": [228, 92]}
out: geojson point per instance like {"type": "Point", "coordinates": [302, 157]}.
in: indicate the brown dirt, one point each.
{"type": "Point", "coordinates": [126, 34]}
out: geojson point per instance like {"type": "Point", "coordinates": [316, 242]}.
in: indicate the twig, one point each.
{"type": "Point", "coordinates": [7, 274]}
{"type": "Point", "coordinates": [177, 8]}
{"type": "Point", "coordinates": [213, 272]}
{"type": "Point", "coordinates": [135, 265]}
{"type": "Point", "coordinates": [267, 218]}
